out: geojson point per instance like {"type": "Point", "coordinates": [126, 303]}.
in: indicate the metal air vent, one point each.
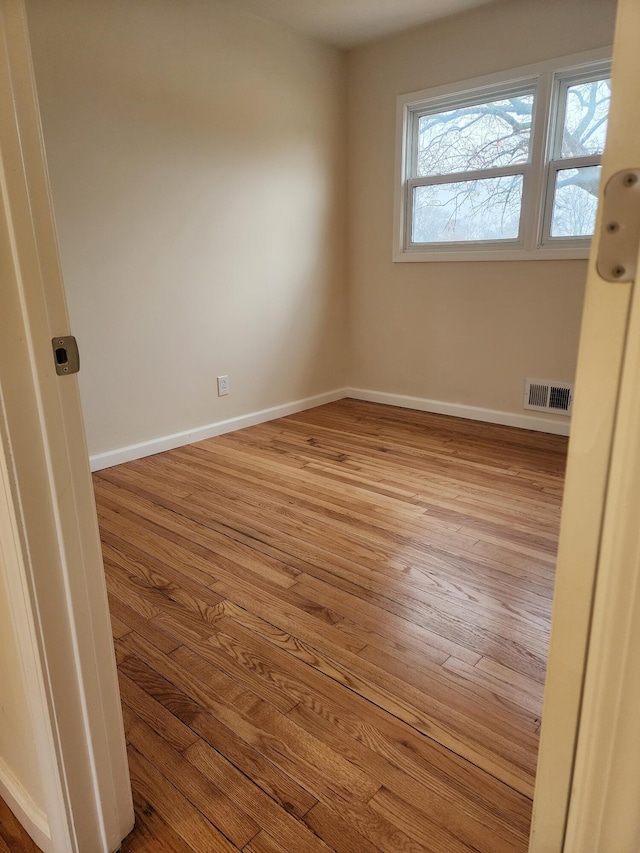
{"type": "Point", "coordinates": [544, 396]}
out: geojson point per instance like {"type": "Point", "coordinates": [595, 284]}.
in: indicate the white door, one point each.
{"type": "Point", "coordinates": [588, 781]}
{"type": "Point", "coordinates": [73, 792]}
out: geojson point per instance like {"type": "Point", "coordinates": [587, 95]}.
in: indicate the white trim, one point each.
{"type": "Point", "coordinates": [13, 568]}
{"type": "Point", "coordinates": [458, 410]}
{"type": "Point", "coordinates": [473, 253]}
{"type": "Point", "coordinates": [85, 773]}
{"type": "Point", "coordinates": [529, 244]}
{"type": "Point", "coordinates": [23, 807]}
{"type": "Point", "coordinates": [107, 459]}
{"type": "Point", "coordinates": [466, 177]}
{"type": "Point", "coordinates": [603, 810]}
{"type": "Point", "coordinates": [587, 499]}
{"type": "Point", "coordinates": [509, 75]}
{"type": "Point", "coordinates": [555, 166]}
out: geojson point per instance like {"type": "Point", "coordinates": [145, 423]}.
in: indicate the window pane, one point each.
{"type": "Point", "coordinates": [481, 136]}
{"type": "Point", "coordinates": [487, 209]}
{"type": "Point", "coordinates": [585, 120]}
{"type": "Point", "coordinates": [575, 202]}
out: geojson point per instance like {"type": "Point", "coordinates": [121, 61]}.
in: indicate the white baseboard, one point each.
{"type": "Point", "coordinates": [179, 439]}
{"type": "Point", "coordinates": [32, 818]}
{"type": "Point", "coordinates": [457, 410]}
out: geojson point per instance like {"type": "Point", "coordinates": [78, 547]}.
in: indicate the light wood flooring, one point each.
{"type": "Point", "coordinates": [331, 632]}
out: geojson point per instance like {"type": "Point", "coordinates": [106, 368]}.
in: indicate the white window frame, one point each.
{"type": "Point", "coordinates": [551, 80]}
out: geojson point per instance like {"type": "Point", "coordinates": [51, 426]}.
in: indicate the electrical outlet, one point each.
{"type": "Point", "coordinates": [223, 385]}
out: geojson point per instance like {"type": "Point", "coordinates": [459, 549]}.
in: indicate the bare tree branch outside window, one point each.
{"type": "Point", "coordinates": [497, 135]}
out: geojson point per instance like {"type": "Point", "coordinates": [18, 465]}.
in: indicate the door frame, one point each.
{"type": "Point", "coordinates": [603, 809]}
{"type": "Point", "coordinates": [573, 781]}
{"type": "Point", "coordinates": [58, 595]}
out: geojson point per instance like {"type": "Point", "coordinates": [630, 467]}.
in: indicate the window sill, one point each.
{"type": "Point", "coordinates": [544, 253]}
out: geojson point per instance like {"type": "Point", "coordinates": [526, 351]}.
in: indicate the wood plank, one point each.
{"type": "Point", "coordinates": [227, 520]}
{"type": "Point", "coordinates": [250, 762]}
{"type": "Point", "coordinates": [263, 843]}
{"type": "Point", "coordinates": [501, 824]}
{"type": "Point", "coordinates": [177, 735]}
{"type": "Point", "coordinates": [391, 631]}
{"type": "Point", "coordinates": [388, 837]}
{"type": "Point", "coordinates": [281, 826]}
{"type": "Point", "coordinates": [509, 687]}
{"type": "Point", "coordinates": [432, 834]}
{"type": "Point", "coordinates": [402, 603]}
{"type": "Point", "coordinates": [337, 833]}
{"type": "Point", "coordinates": [490, 631]}
{"type": "Point", "coordinates": [362, 724]}
{"type": "Point", "coordinates": [12, 835]}
{"type": "Point", "coordinates": [459, 629]}
{"type": "Point", "coordinates": [136, 622]}
{"type": "Point", "coordinates": [208, 799]}
{"type": "Point", "coordinates": [151, 833]}
{"type": "Point", "coordinates": [356, 539]}
{"type": "Point", "coordinates": [221, 548]}
{"type": "Point", "coordinates": [228, 658]}
{"type": "Point", "coordinates": [458, 685]}
{"type": "Point", "coordinates": [433, 712]}
{"type": "Point", "coordinates": [159, 795]}
{"type": "Point", "coordinates": [340, 617]}
{"type": "Point", "coordinates": [118, 628]}
{"type": "Point", "coordinates": [159, 595]}
{"type": "Point", "coordinates": [507, 648]}
{"type": "Point", "coordinates": [306, 759]}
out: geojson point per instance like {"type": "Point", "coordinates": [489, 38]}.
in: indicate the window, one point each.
{"type": "Point", "coordinates": [503, 168]}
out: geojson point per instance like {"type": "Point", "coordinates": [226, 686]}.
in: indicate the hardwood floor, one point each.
{"type": "Point", "coordinates": [13, 838]}
{"type": "Point", "coordinates": [331, 632]}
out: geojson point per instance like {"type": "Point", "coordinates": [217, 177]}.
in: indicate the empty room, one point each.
{"type": "Point", "coordinates": [325, 264]}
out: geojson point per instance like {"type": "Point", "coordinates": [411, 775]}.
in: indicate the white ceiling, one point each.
{"type": "Point", "coordinates": [345, 23]}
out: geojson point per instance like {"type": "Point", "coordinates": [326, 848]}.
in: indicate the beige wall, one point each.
{"type": "Point", "coordinates": [198, 170]}
{"type": "Point", "coordinates": [456, 332]}
{"type": "Point", "coordinates": [197, 164]}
